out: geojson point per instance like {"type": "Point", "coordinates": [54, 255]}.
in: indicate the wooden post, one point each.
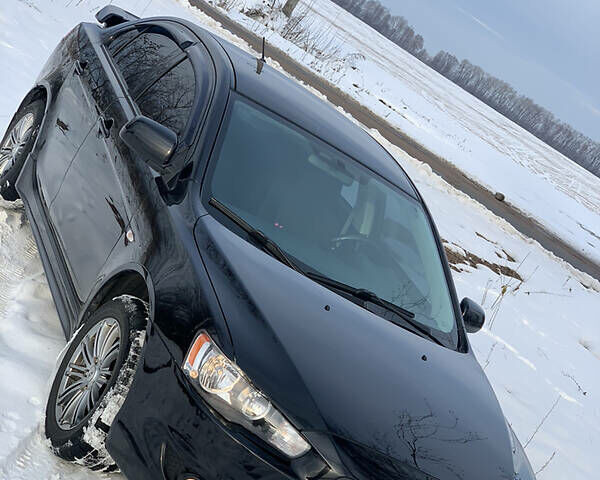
{"type": "Point", "coordinates": [289, 7]}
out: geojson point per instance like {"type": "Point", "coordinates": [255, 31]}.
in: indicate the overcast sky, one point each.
{"type": "Point", "coordinates": [547, 49]}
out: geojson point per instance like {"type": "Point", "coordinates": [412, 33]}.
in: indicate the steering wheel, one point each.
{"type": "Point", "coordinates": [378, 249]}
{"type": "Point", "coordinates": [351, 238]}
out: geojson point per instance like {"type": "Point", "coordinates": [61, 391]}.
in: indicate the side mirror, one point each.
{"type": "Point", "coordinates": [473, 315]}
{"type": "Point", "coordinates": [154, 142]}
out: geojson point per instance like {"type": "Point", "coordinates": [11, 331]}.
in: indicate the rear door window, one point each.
{"type": "Point", "coordinates": [170, 99]}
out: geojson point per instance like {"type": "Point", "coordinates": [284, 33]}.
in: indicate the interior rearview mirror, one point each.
{"type": "Point", "coordinates": [154, 142]}
{"type": "Point", "coordinates": [473, 315]}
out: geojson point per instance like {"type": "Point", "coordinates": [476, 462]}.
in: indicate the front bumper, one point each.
{"type": "Point", "coordinates": [165, 430]}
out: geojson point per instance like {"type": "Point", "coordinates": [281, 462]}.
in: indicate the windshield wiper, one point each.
{"type": "Point", "coordinates": [368, 296]}
{"type": "Point", "coordinates": [259, 237]}
{"type": "Point", "coordinates": [365, 295]}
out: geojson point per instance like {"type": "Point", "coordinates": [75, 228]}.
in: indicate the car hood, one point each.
{"type": "Point", "coordinates": [366, 382]}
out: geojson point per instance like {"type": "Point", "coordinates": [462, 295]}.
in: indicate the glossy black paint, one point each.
{"type": "Point", "coordinates": [473, 315]}
{"type": "Point", "coordinates": [318, 366]}
{"type": "Point", "coordinates": [154, 142]}
{"type": "Point", "coordinates": [374, 400]}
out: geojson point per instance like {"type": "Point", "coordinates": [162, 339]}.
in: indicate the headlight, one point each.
{"type": "Point", "coordinates": [523, 470]}
{"type": "Point", "coordinates": [229, 391]}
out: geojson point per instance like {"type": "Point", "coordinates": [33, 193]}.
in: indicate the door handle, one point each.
{"type": "Point", "coordinates": [80, 66]}
{"type": "Point", "coordinates": [105, 126]}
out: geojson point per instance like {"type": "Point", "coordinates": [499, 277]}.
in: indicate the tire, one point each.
{"type": "Point", "coordinates": [15, 155]}
{"type": "Point", "coordinates": [78, 435]}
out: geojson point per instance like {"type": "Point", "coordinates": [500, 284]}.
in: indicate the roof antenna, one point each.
{"type": "Point", "coordinates": [260, 62]}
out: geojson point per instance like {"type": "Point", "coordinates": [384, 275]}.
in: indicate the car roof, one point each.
{"type": "Point", "coordinates": [289, 99]}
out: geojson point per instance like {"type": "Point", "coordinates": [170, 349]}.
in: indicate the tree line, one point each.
{"type": "Point", "coordinates": [493, 91]}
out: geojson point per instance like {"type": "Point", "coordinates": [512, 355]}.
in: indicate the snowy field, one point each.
{"type": "Point", "coordinates": [448, 121]}
{"type": "Point", "coordinates": [540, 347]}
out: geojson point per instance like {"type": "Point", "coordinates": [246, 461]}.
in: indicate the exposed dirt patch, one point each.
{"type": "Point", "coordinates": [391, 107]}
{"type": "Point", "coordinates": [458, 256]}
{"type": "Point", "coordinates": [485, 238]}
{"type": "Point", "coordinates": [506, 256]}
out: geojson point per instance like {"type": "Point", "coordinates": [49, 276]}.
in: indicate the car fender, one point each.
{"type": "Point", "coordinates": [109, 281]}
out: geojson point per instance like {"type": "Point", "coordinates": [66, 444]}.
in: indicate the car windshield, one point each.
{"type": "Point", "coordinates": [331, 214]}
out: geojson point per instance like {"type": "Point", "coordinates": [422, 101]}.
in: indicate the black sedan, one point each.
{"type": "Point", "coordinates": [252, 288]}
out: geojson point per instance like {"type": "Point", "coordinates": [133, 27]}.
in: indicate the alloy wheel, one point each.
{"type": "Point", "coordinates": [16, 141]}
{"type": "Point", "coordinates": [87, 373]}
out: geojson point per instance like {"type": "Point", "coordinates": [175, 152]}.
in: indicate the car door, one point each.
{"type": "Point", "coordinates": [92, 209]}
{"type": "Point", "coordinates": [71, 117]}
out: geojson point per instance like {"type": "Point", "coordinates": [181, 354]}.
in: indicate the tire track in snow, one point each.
{"type": "Point", "coordinates": [17, 250]}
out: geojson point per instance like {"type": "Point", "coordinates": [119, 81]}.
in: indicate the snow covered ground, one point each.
{"type": "Point", "coordinates": [448, 121]}
{"type": "Point", "coordinates": [540, 347]}
{"type": "Point", "coordinates": [30, 341]}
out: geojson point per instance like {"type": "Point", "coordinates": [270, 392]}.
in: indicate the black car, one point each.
{"type": "Point", "coordinates": [251, 285]}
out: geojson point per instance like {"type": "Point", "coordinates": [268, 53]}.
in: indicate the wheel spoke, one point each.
{"type": "Point", "coordinates": [8, 143]}
{"type": "Point", "coordinates": [82, 406]}
{"type": "Point", "coordinates": [13, 137]}
{"type": "Point", "coordinates": [85, 351]}
{"type": "Point", "coordinates": [23, 127]}
{"type": "Point", "coordinates": [98, 341]}
{"type": "Point", "coordinates": [76, 368]}
{"type": "Point", "coordinates": [69, 391]}
{"type": "Point", "coordinates": [70, 409]}
{"type": "Point", "coordinates": [76, 375]}
{"type": "Point", "coordinates": [109, 359]}
{"type": "Point", "coordinates": [95, 389]}
{"type": "Point", "coordinates": [22, 131]}
{"type": "Point", "coordinates": [112, 341]}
